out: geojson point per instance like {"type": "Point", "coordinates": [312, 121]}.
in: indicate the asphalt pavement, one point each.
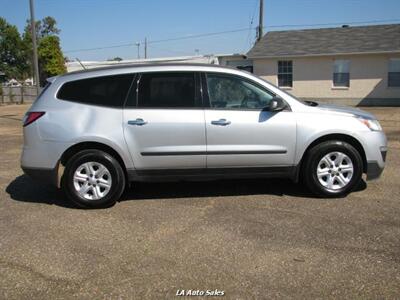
{"type": "Point", "coordinates": [251, 239]}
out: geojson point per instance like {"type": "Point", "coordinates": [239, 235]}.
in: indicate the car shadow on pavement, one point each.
{"type": "Point", "coordinates": [25, 189]}
{"type": "Point", "coordinates": [217, 188]}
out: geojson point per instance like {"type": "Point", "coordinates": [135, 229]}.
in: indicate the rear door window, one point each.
{"type": "Point", "coordinates": [105, 91]}
{"type": "Point", "coordinates": [167, 90]}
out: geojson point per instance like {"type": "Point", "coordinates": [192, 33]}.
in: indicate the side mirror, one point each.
{"type": "Point", "coordinates": [277, 104]}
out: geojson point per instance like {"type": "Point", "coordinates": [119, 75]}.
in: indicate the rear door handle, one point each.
{"type": "Point", "coordinates": [221, 122]}
{"type": "Point", "coordinates": [138, 122]}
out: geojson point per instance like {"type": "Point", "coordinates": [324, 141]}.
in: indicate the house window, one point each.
{"type": "Point", "coordinates": [394, 72]}
{"type": "Point", "coordinates": [341, 73]}
{"type": "Point", "coordinates": [285, 73]}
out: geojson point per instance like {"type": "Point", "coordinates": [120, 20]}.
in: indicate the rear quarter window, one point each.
{"type": "Point", "coordinates": [48, 83]}
{"type": "Point", "coordinates": [105, 91]}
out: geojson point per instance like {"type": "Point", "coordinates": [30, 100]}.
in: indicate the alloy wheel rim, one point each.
{"type": "Point", "coordinates": [335, 170]}
{"type": "Point", "coordinates": [92, 180]}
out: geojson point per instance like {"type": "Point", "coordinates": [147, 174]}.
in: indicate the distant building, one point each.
{"type": "Point", "coordinates": [239, 61]}
{"type": "Point", "coordinates": [2, 77]}
{"type": "Point", "coordinates": [28, 81]}
{"type": "Point", "coordinates": [234, 60]}
{"type": "Point", "coordinates": [13, 83]}
{"type": "Point", "coordinates": [349, 65]}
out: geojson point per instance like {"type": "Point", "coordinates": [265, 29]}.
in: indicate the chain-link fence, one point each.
{"type": "Point", "coordinates": [18, 94]}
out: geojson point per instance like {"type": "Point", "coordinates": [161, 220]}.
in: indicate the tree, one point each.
{"type": "Point", "coordinates": [45, 27]}
{"type": "Point", "coordinates": [48, 27]}
{"type": "Point", "coordinates": [12, 59]}
{"type": "Point", "coordinates": [51, 59]}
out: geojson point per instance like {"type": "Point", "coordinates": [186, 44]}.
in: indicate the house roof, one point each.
{"type": "Point", "coordinates": [328, 41]}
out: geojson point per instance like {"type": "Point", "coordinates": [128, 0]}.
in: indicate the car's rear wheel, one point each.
{"type": "Point", "coordinates": [93, 179]}
{"type": "Point", "coordinates": [332, 169]}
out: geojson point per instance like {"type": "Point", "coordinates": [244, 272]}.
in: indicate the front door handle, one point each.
{"type": "Point", "coordinates": [138, 122]}
{"type": "Point", "coordinates": [221, 122]}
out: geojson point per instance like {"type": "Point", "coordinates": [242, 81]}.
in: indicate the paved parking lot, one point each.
{"type": "Point", "coordinates": [249, 238]}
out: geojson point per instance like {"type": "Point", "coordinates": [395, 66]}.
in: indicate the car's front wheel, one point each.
{"type": "Point", "coordinates": [93, 179]}
{"type": "Point", "coordinates": [332, 168]}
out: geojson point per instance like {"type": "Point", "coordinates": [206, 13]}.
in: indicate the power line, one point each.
{"type": "Point", "coordinates": [100, 48]}
{"type": "Point", "coordinates": [247, 42]}
{"type": "Point", "coordinates": [232, 31]}
{"type": "Point", "coordinates": [198, 35]}
{"type": "Point", "coordinates": [162, 40]}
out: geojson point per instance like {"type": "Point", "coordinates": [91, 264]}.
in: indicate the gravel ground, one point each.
{"type": "Point", "coordinates": [248, 238]}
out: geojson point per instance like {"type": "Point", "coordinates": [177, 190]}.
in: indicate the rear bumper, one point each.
{"type": "Point", "coordinates": [44, 176]}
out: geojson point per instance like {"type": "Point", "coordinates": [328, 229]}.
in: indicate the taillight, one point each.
{"type": "Point", "coordinates": [32, 116]}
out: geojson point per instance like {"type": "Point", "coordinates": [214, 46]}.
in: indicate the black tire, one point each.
{"type": "Point", "coordinates": [314, 156]}
{"type": "Point", "coordinates": [95, 156]}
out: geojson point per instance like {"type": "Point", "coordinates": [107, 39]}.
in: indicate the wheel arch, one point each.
{"type": "Point", "coordinates": [71, 151]}
{"type": "Point", "coordinates": [337, 137]}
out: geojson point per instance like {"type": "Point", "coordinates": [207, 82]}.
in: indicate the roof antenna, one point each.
{"type": "Point", "coordinates": [80, 63]}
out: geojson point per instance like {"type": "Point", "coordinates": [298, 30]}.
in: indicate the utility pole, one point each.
{"type": "Point", "coordinates": [35, 55]}
{"type": "Point", "coordinates": [145, 47]}
{"type": "Point", "coordinates": [260, 21]}
{"type": "Point", "coordinates": [138, 50]}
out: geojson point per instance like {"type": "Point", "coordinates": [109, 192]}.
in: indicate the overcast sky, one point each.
{"type": "Point", "coordinates": [100, 23]}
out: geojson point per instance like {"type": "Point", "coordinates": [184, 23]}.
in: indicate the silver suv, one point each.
{"type": "Point", "coordinates": [93, 132]}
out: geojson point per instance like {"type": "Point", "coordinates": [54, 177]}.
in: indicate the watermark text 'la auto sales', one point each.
{"type": "Point", "coordinates": [200, 293]}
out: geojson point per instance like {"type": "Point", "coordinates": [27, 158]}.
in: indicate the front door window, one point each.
{"type": "Point", "coordinates": [232, 92]}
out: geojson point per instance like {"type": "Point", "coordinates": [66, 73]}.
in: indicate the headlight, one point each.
{"type": "Point", "coordinates": [371, 124]}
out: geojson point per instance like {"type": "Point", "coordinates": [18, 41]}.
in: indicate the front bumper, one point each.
{"type": "Point", "coordinates": [374, 169]}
